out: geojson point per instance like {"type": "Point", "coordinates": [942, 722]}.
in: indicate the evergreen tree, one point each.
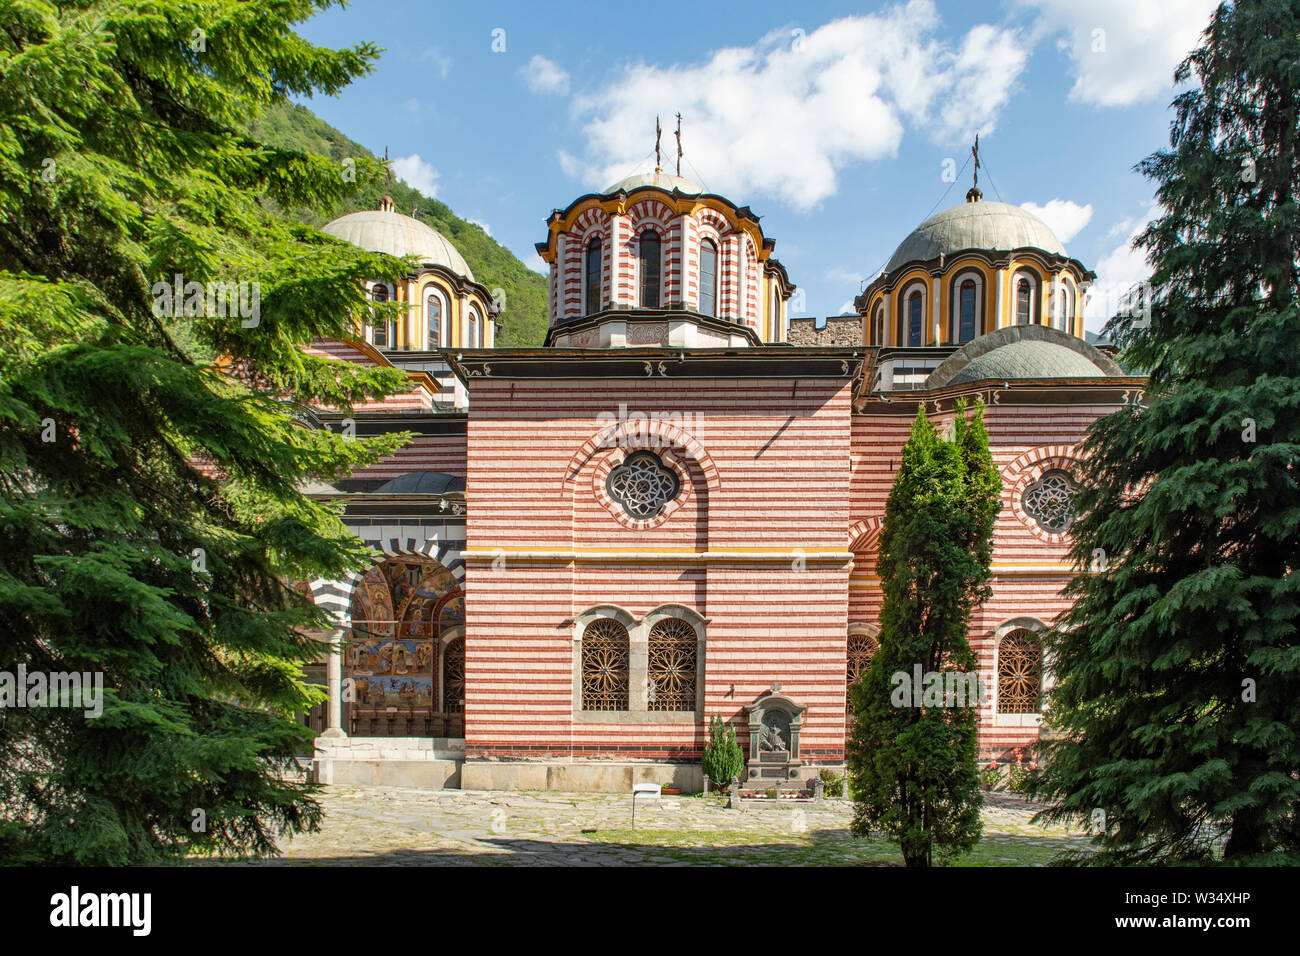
{"type": "Point", "coordinates": [723, 758]}
{"type": "Point", "coordinates": [913, 761]}
{"type": "Point", "coordinates": [121, 167]}
{"type": "Point", "coordinates": [1177, 670]}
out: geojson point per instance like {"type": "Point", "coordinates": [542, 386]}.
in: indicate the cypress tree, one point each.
{"type": "Point", "coordinates": [1177, 670]}
{"type": "Point", "coordinates": [913, 762]}
{"type": "Point", "coordinates": [122, 166]}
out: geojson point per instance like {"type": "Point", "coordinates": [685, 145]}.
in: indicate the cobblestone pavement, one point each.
{"type": "Point", "coordinates": [407, 827]}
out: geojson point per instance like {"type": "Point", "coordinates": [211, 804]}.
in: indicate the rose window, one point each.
{"type": "Point", "coordinates": [642, 485]}
{"type": "Point", "coordinates": [1050, 501]}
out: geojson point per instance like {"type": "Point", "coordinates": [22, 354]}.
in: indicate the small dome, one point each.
{"type": "Point", "coordinates": [383, 230]}
{"type": "Point", "coordinates": [422, 483]}
{"type": "Point", "coordinates": [995, 226]}
{"type": "Point", "coordinates": [662, 181]}
{"type": "Point", "coordinates": [1022, 353]}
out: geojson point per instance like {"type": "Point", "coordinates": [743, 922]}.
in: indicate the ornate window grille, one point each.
{"type": "Point", "coordinates": [1050, 501]}
{"type": "Point", "coordinates": [453, 676]}
{"type": "Point", "coordinates": [642, 485]}
{"type": "Point", "coordinates": [672, 666]}
{"type": "Point", "coordinates": [605, 665]}
{"type": "Point", "coordinates": [861, 648]}
{"type": "Point", "coordinates": [1020, 673]}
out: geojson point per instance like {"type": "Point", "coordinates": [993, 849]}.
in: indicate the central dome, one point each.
{"type": "Point", "coordinates": [383, 230]}
{"type": "Point", "coordinates": [664, 181]}
{"type": "Point", "coordinates": [992, 226]}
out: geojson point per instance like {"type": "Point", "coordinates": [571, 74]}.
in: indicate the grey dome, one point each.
{"type": "Point", "coordinates": [381, 230]}
{"type": "Point", "coordinates": [1023, 353]}
{"type": "Point", "coordinates": [663, 181]}
{"type": "Point", "coordinates": [995, 226]}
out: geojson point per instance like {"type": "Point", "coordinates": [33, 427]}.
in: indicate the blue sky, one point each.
{"type": "Point", "coordinates": [834, 122]}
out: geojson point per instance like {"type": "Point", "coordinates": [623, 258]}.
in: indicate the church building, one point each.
{"type": "Point", "coordinates": [671, 509]}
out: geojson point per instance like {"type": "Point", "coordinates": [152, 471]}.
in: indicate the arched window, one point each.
{"type": "Point", "coordinates": [380, 337]}
{"type": "Point", "coordinates": [1020, 673]}
{"type": "Point", "coordinates": [593, 275]}
{"type": "Point", "coordinates": [671, 666]}
{"type": "Point", "coordinates": [1062, 306]}
{"type": "Point", "coordinates": [915, 311]}
{"type": "Point", "coordinates": [433, 320]}
{"type": "Point", "coordinates": [878, 331]}
{"type": "Point", "coordinates": [862, 646]}
{"type": "Point", "coordinates": [910, 324]}
{"type": "Point", "coordinates": [471, 329]}
{"type": "Point", "coordinates": [1026, 299]}
{"type": "Point", "coordinates": [648, 250]}
{"type": "Point", "coordinates": [967, 300]}
{"type": "Point", "coordinates": [708, 277]}
{"type": "Point", "coordinates": [776, 313]}
{"type": "Point", "coordinates": [606, 657]}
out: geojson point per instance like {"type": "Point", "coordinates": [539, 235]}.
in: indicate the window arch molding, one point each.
{"type": "Point", "coordinates": [1026, 297]}
{"type": "Point", "coordinates": [382, 335]}
{"type": "Point", "coordinates": [910, 327]}
{"type": "Point", "coordinates": [1035, 629]}
{"type": "Point", "coordinates": [651, 246]}
{"type": "Point", "coordinates": [878, 326]}
{"type": "Point", "coordinates": [1064, 297]}
{"type": "Point", "coordinates": [432, 291]}
{"type": "Point", "coordinates": [593, 269]}
{"type": "Point", "coordinates": [956, 303]}
{"type": "Point", "coordinates": [709, 277]}
{"type": "Point", "coordinates": [473, 337]}
{"type": "Point", "coordinates": [661, 624]}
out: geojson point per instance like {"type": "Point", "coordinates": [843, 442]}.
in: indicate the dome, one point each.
{"type": "Point", "coordinates": [663, 181]}
{"type": "Point", "coordinates": [383, 230]}
{"type": "Point", "coordinates": [1023, 353]}
{"type": "Point", "coordinates": [422, 483]}
{"type": "Point", "coordinates": [975, 225]}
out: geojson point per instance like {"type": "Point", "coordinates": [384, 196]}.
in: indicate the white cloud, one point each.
{"type": "Point", "coordinates": [1123, 51]}
{"type": "Point", "coordinates": [846, 308]}
{"type": "Point", "coordinates": [417, 173]}
{"type": "Point", "coordinates": [782, 116]}
{"type": "Point", "coordinates": [482, 225]}
{"type": "Point", "coordinates": [536, 263]}
{"type": "Point", "coordinates": [1066, 218]}
{"type": "Point", "coordinates": [1118, 271]}
{"type": "Point", "coordinates": [545, 77]}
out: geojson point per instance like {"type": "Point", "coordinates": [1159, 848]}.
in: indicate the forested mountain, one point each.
{"type": "Point", "coordinates": [523, 322]}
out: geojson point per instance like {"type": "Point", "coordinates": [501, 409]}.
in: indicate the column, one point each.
{"type": "Point", "coordinates": [414, 318]}
{"type": "Point", "coordinates": [999, 279]}
{"type": "Point", "coordinates": [935, 335]}
{"type": "Point", "coordinates": [334, 685]}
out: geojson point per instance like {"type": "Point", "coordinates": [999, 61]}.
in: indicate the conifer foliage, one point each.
{"type": "Point", "coordinates": [121, 168]}
{"type": "Point", "coordinates": [1177, 671]}
{"type": "Point", "coordinates": [913, 761]}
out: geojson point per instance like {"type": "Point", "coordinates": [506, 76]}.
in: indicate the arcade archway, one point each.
{"type": "Point", "coordinates": [404, 659]}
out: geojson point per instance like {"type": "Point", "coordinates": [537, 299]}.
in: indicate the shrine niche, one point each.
{"type": "Point", "coordinates": [775, 722]}
{"type": "Point", "coordinates": [405, 655]}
